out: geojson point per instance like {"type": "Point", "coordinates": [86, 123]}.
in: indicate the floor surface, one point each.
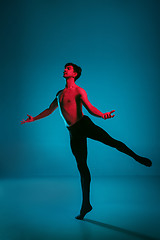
{"type": "Point", "coordinates": [44, 209]}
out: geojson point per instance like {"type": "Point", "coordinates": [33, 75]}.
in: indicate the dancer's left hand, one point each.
{"type": "Point", "coordinates": [108, 114]}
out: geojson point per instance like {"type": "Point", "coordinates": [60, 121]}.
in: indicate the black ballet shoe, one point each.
{"type": "Point", "coordinates": [145, 161]}
{"type": "Point", "coordinates": [84, 212]}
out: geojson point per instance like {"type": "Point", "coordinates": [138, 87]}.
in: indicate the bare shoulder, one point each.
{"type": "Point", "coordinates": [81, 91]}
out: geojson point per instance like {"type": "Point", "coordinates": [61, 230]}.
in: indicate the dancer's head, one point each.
{"type": "Point", "coordinates": [74, 70]}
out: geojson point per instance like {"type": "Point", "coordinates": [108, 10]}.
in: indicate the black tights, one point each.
{"type": "Point", "coordinates": [79, 132]}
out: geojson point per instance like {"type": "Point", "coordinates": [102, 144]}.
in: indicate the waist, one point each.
{"type": "Point", "coordinates": [77, 123]}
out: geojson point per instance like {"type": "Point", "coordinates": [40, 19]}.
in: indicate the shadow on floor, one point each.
{"type": "Point", "coordinates": [118, 229]}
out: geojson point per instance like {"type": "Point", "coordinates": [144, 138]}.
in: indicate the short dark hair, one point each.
{"type": "Point", "coordinates": [76, 68]}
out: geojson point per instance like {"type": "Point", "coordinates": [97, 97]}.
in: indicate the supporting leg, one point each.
{"type": "Point", "coordinates": [79, 149]}
{"type": "Point", "coordinates": [85, 184]}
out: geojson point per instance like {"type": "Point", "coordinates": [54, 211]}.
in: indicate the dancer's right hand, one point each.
{"type": "Point", "coordinates": [29, 119]}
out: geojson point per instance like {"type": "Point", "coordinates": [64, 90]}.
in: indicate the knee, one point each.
{"type": "Point", "coordinates": [119, 145]}
{"type": "Point", "coordinates": [84, 171]}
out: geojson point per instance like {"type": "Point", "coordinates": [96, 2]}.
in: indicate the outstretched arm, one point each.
{"type": "Point", "coordinates": [43, 114]}
{"type": "Point", "coordinates": [91, 109]}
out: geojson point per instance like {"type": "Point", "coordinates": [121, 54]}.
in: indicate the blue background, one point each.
{"type": "Point", "coordinates": [117, 45]}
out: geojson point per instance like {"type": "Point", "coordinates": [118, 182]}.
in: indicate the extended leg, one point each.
{"type": "Point", "coordinates": [99, 134]}
{"type": "Point", "coordinates": [79, 149]}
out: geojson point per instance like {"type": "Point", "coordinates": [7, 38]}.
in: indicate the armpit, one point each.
{"type": "Point", "coordinates": [58, 92]}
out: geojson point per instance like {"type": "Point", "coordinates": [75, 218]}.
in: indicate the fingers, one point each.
{"type": "Point", "coordinates": [108, 114]}
{"type": "Point", "coordinates": [111, 116]}
{"type": "Point", "coordinates": [29, 119]}
{"type": "Point", "coordinates": [24, 121]}
{"type": "Point", "coordinates": [112, 111]}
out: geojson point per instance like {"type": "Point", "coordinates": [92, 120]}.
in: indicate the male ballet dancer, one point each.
{"type": "Point", "coordinates": [70, 101]}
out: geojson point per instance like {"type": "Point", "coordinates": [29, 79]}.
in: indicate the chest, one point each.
{"type": "Point", "coordinates": [68, 97]}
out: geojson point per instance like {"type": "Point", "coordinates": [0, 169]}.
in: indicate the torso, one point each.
{"type": "Point", "coordinates": [70, 105]}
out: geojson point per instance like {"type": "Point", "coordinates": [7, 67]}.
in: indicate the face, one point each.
{"type": "Point", "coordinates": [69, 72]}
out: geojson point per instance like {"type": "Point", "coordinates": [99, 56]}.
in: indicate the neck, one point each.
{"type": "Point", "coordinates": [70, 83]}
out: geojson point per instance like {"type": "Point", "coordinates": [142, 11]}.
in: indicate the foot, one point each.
{"type": "Point", "coordinates": [83, 212]}
{"type": "Point", "coordinates": [144, 161]}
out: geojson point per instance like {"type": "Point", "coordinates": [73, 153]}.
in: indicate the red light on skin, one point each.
{"type": "Point", "coordinates": [70, 101]}
{"type": "Point", "coordinates": [69, 72]}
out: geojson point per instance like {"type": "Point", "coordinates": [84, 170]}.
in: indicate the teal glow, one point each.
{"type": "Point", "coordinates": [117, 45]}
